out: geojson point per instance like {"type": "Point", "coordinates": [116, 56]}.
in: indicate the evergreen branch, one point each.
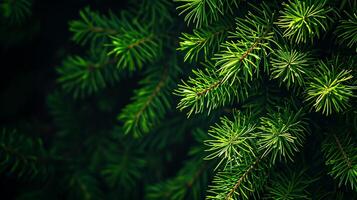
{"type": "Point", "coordinates": [207, 90]}
{"type": "Point", "coordinates": [304, 20]}
{"type": "Point", "coordinates": [138, 45]}
{"type": "Point", "coordinates": [204, 41]}
{"type": "Point", "coordinates": [187, 183]}
{"type": "Point", "coordinates": [240, 181]}
{"type": "Point", "coordinates": [341, 159]}
{"type": "Point", "coordinates": [231, 141]}
{"type": "Point", "coordinates": [93, 26]}
{"type": "Point", "coordinates": [156, 12]}
{"type": "Point", "coordinates": [150, 102]}
{"type": "Point", "coordinates": [347, 29]}
{"type": "Point", "coordinates": [200, 12]}
{"type": "Point", "coordinates": [328, 89]}
{"type": "Point", "coordinates": [290, 66]}
{"type": "Point", "coordinates": [240, 60]}
{"type": "Point", "coordinates": [21, 156]}
{"type": "Point", "coordinates": [124, 170]}
{"type": "Point", "coordinates": [85, 76]}
{"type": "Point", "coordinates": [83, 185]}
{"type": "Point", "coordinates": [283, 133]}
{"type": "Point", "coordinates": [15, 11]}
{"type": "Point", "coordinates": [288, 184]}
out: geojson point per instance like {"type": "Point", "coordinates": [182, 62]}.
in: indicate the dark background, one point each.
{"type": "Point", "coordinates": [29, 54]}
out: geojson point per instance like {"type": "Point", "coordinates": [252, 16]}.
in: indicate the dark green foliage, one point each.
{"type": "Point", "coordinates": [203, 41]}
{"type": "Point", "coordinates": [15, 11]}
{"type": "Point", "coordinates": [341, 159]}
{"type": "Point", "coordinates": [22, 156]}
{"type": "Point", "coordinates": [239, 182]}
{"type": "Point", "coordinates": [86, 76]}
{"type": "Point", "coordinates": [289, 184]}
{"type": "Point", "coordinates": [136, 46]}
{"type": "Point", "coordinates": [82, 185]}
{"type": "Point", "coordinates": [267, 90]}
{"type": "Point", "coordinates": [93, 26]}
{"type": "Point", "coordinates": [240, 58]}
{"type": "Point", "coordinates": [347, 29]}
{"type": "Point", "coordinates": [151, 102]}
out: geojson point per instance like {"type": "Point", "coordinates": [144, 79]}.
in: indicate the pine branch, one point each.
{"type": "Point", "coordinates": [290, 66]}
{"type": "Point", "coordinates": [150, 103]}
{"type": "Point", "coordinates": [83, 185]}
{"type": "Point", "coordinates": [231, 141]}
{"type": "Point", "coordinates": [208, 91]}
{"type": "Point", "coordinates": [203, 41]}
{"type": "Point", "coordinates": [93, 26]}
{"type": "Point", "coordinates": [137, 46]}
{"type": "Point", "coordinates": [84, 76]}
{"type": "Point", "coordinates": [240, 182]}
{"type": "Point", "coordinates": [341, 159]}
{"type": "Point", "coordinates": [200, 12]}
{"type": "Point", "coordinates": [15, 11]}
{"type": "Point", "coordinates": [329, 89]}
{"type": "Point", "coordinates": [282, 133]}
{"type": "Point", "coordinates": [289, 184]}
{"type": "Point", "coordinates": [240, 59]}
{"type": "Point", "coordinates": [21, 156]}
{"type": "Point", "coordinates": [347, 29]}
{"type": "Point", "coordinates": [304, 20]}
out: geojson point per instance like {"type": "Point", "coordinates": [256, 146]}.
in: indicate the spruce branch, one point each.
{"type": "Point", "coordinates": [341, 159]}
{"type": "Point", "coordinates": [156, 12]}
{"type": "Point", "coordinates": [190, 180]}
{"type": "Point", "coordinates": [329, 89]}
{"type": "Point", "coordinates": [200, 12]}
{"type": "Point", "coordinates": [240, 60]}
{"type": "Point", "coordinates": [124, 168]}
{"type": "Point", "coordinates": [347, 31]}
{"type": "Point", "coordinates": [93, 26]}
{"type": "Point", "coordinates": [208, 91]}
{"type": "Point", "coordinates": [136, 46]}
{"type": "Point", "coordinates": [304, 20]}
{"type": "Point", "coordinates": [231, 141]}
{"type": "Point", "coordinates": [288, 184]}
{"type": "Point", "coordinates": [282, 133]}
{"type": "Point", "coordinates": [15, 11]}
{"type": "Point", "coordinates": [240, 182]}
{"type": "Point", "coordinates": [203, 41]}
{"type": "Point", "coordinates": [150, 103]}
{"type": "Point", "coordinates": [22, 156]}
{"type": "Point", "coordinates": [83, 76]}
{"type": "Point", "coordinates": [290, 66]}
{"type": "Point", "coordinates": [83, 185]}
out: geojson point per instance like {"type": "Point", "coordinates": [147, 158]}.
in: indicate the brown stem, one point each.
{"type": "Point", "coordinates": [343, 152]}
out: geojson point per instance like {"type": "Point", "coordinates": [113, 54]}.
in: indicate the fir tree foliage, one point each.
{"type": "Point", "coordinates": [302, 21]}
{"type": "Point", "coordinates": [291, 184]}
{"type": "Point", "coordinates": [151, 102]}
{"type": "Point", "coordinates": [346, 31]}
{"type": "Point", "coordinates": [22, 156]}
{"type": "Point", "coordinates": [290, 66]}
{"type": "Point", "coordinates": [269, 101]}
{"type": "Point", "coordinates": [341, 159]}
{"type": "Point", "coordinates": [15, 11]}
{"type": "Point", "coordinates": [330, 89]}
